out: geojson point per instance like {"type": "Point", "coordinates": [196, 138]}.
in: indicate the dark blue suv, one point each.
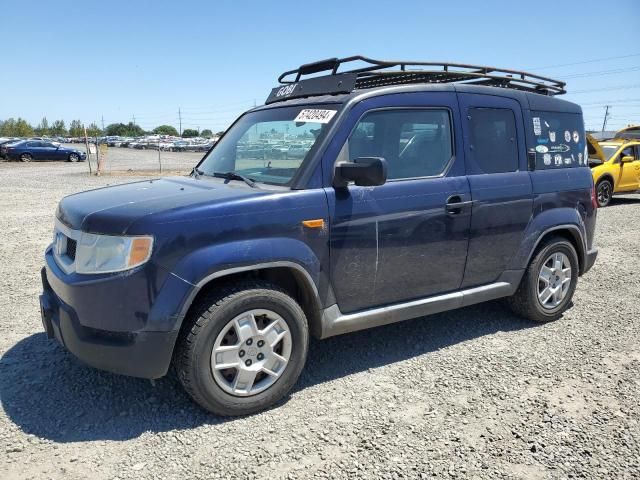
{"type": "Point", "coordinates": [352, 199]}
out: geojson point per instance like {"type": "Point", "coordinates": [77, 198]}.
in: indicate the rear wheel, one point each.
{"type": "Point", "coordinates": [242, 349]}
{"type": "Point", "coordinates": [549, 282]}
{"type": "Point", "coordinates": [74, 157]}
{"type": "Point", "coordinates": [604, 192]}
{"type": "Point", "coordinates": [26, 157]}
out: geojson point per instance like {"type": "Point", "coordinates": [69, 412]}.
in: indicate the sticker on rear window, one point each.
{"type": "Point", "coordinates": [537, 129]}
{"type": "Point", "coordinates": [315, 115]}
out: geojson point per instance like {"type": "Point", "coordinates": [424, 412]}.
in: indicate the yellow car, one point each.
{"type": "Point", "coordinates": [615, 165]}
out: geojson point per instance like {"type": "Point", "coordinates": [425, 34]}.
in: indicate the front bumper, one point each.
{"type": "Point", "coordinates": [114, 323]}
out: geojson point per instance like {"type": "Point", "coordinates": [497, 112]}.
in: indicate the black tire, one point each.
{"type": "Point", "coordinates": [206, 322]}
{"type": "Point", "coordinates": [74, 157]}
{"type": "Point", "coordinates": [604, 192]}
{"type": "Point", "coordinates": [525, 302]}
{"type": "Point", "coordinates": [25, 157]}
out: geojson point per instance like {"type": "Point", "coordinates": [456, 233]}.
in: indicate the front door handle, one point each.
{"type": "Point", "coordinates": [455, 205]}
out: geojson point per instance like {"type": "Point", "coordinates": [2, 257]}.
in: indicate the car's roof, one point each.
{"type": "Point", "coordinates": [534, 101]}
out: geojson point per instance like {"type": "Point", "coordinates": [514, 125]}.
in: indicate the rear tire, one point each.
{"type": "Point", "coordinates": [604, 193]}
{"type": "Point", "coordinates": [545, 291]}
{"type": "Point", "coordinates": [240, 324]}
{"type": "Point", "coordinates": [26, 157]}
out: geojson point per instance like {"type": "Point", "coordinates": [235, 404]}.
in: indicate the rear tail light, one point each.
{"type": "Point", "coordinates": [594, 200]}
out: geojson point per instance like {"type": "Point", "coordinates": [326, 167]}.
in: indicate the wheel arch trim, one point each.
{"type": "Point", "coordinates": [197, 287]}
{"type": "Point", "coordinates": [577, 235]}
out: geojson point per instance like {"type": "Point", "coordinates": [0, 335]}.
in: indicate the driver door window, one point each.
{"type": "Point", "coordinates": [415, 143]}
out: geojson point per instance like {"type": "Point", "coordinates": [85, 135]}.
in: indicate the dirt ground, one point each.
{"type": "Point", "coordinates": [473, 393]}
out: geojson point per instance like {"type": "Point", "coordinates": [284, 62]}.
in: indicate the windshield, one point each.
{"type": "Point", "coordinates": [609, 151]}
{"type": "Point", "coordinates": [269, 146]}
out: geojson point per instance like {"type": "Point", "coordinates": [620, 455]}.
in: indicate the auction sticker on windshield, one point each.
{"type": "Point", "coordinates": [315, 115]}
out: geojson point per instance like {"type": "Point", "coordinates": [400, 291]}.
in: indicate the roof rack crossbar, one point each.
{"type": "Point", "coordinates": [378, 72]}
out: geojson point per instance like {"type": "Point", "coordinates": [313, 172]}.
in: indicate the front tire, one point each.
{"type": "Point", "coordinates": [25, 157]}
{"type": "Point", "coordinates": [242, 349]}
{"type": "Point", "coordinates": [74, 157]}
{"type": "Point", "coordinates": [549, 282]}
{"type": "Point", "coordinates": [604, 193]}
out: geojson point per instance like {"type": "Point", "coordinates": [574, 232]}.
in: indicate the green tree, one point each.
{"type": "Point", "coordinates": [165, 130]}
{"type": "Point", "coordinates": [58, 128]}
{"type": "Point", "coordinates": [93, 130]}
{"type": "Point", "coordinates": [16, 128]}
{"type": "Point", "coordinates": [122, 130]}
{"type": "Point", "coordinates": [189, 132]}
{"type": "Point", "coordinates": [220, 133]}
{"type": "Point", "coordinates": [76, 129]}
{"type": "Point", "coordinates": [206, 133]}
{"type": "Point", "coordinates": [43, 128]}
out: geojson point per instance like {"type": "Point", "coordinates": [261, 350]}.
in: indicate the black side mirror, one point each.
{"type": "Point", "coordinates": [363, 171]}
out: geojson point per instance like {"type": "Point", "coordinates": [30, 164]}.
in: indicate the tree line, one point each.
{"type": "Point", "coordinates": [19, 127]}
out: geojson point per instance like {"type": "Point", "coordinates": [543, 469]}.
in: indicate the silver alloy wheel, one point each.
{"type": "Point", "coordinates": [554, 280]}
{"type": "Point", "coordinates": [25, 157]}
{"type": "Point", "coordinates": [251, 352]}
{"type": "Point", "coordinates": [73, 157]}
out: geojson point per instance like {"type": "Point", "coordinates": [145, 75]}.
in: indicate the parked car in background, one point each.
{"type": "Point", "coordinates": [40, 150]}
{"type": "Point", "coordinates": [615, 166]}
{"type": "Point", "coordinates": [4, 142]}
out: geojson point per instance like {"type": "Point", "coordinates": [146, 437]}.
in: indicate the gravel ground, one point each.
{"type": "Point", "coordinates": [474, 393]}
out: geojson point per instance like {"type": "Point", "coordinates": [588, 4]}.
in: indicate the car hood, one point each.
{"type": "Point", "coordinates": [594, 148]}
{"type": "Point", "coordinates": [112, 210]}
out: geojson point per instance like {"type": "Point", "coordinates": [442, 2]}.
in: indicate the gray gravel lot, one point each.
{"type": "Point", "coordinates": [474, 393]}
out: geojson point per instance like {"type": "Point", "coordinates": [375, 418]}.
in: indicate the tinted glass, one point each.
{"type": "Point", "coordinates": [415, 143]}
{"type": "Point", "coordinates": [558, 140]}
{"type": "Point", "coordinates": [494, 144]}
{"type": "Point", "coordinates": [270, 145]}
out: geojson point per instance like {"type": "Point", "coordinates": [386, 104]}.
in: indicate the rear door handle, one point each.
{"type": "Point", "coordinates": [455, 205]}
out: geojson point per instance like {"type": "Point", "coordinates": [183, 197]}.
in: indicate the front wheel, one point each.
{"type": "Point", "coordinates": [26, 157]}
{"type": "Point", "coordinates": [549, 282]}
{"type": "Point", "coordinates": [74, 157]}
{"type": "Point", "coordinates": [604, 192]}
{"type": "Point", "coordinates": [242, 349]}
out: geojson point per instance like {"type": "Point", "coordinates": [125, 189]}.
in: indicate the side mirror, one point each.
{"type": "Point", "coordinates": [627, 159]}
{"type": "Point", "coordinates": [363, 171]}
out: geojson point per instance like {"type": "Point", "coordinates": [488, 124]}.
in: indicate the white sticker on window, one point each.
{"type": "Point", "coordinates": [537, 129]}
{"type": "Point", "coordinates": [315, 115]}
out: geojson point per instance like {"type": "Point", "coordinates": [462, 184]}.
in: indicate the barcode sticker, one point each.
{"type": "Point", "coordinates": [315, 115]}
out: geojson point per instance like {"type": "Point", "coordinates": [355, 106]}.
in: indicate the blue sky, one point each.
{"type": "Point", "coordinates": [116, 59]}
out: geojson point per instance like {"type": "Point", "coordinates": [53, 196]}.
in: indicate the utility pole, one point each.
{"type": "Point", "coordinates": [606, 116]}
{"type": "Point", "coordinates": [180, 119]}
{"type": "Point", "coordinates": [102, 118]}
{"type": "Point", "coordinates": [134, 118]}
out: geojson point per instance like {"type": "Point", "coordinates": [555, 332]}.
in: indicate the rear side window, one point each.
{"type": "Point", "coordinates": [415, 143]}
{"type": "Point", "coordinates": [559, 140]}
{"type": "Point", "coordinates": [494, 145]}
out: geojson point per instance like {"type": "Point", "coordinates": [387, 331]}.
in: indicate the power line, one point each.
{"type": "Point", "coordinates": [586, 61]}
{"type": "Point", "coordinates": [619, 87]}
{"type": "Point", "coordinates": [602, 72]}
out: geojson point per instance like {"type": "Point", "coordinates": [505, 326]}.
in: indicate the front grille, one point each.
{"type": "Point", "coordinates": [71, 248]}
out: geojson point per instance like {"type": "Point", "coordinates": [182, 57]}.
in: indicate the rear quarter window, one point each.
{"type": "Point", "coordinates": [557, 140]}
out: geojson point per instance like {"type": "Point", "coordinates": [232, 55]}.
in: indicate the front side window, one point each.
{"type": "Point", "coordinates": [494, 145]}
{"type": "Point", "coordinates": [414, 143]}
{"type": "Point", "coordinates": [270, 146]}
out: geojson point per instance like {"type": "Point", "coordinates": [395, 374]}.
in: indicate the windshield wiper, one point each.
{"type": "Point", "coordinates": [235, 176]}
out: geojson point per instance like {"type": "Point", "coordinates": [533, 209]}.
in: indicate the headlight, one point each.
{"type": "Point", "coordinates": [106, 253]}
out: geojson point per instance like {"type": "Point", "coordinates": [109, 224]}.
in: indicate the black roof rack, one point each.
{"type": "Point", "coordinates": [378, 73]}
